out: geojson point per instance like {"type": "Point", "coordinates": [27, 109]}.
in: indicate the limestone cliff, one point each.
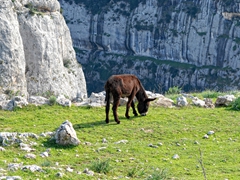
{"type": "Point", "coordinates": [36, 52]}
{"type": "Point", "coordinates": [192, 44]}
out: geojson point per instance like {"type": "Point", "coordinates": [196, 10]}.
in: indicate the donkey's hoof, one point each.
{"type": "Point", "coordinates": [118, 122]}
{"type": "Point", "coordinates": [128, 117]}
{"type": "Point", "coordinates": [107, 121]}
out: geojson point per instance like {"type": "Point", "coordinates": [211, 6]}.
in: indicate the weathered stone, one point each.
{"type": "Point", "coordinates": [14, 166]}
{"type": "Point", "coordinates": [32, 168]}
{"type": "Point", "coordinates": [38, 100]}
{"type": "Point", "coordinates": [121, 141]}
{"type": "Point", "coordinates": [224, 100]}
{"type": "Point", "coordinates": [19, 101]}
{"type": "Point", "coordinates": [66, 135]}
{"type": "Point", "coordinates": [7, 105]}
{"type": "Point", "coordinates": [63, 101]}
{"type": "Point", "coordinates": [164, 102]}
{"type": "Point", "coordinates": [176, 156]}
{"type": "Point", "coordinates": [11, 178]}
{"type": "Point", "coordinates": [30, 156]}
{"type": "Point", "coordinates": [88, 172]}
{"type": "Point", "coordinates": [97, 99]}
{"type": "Point", "coordinates": [209, 103]}
{"type": "Point", "coordinates": [198, 102]}
{"type": "Point", "coordinates": [182, 101]}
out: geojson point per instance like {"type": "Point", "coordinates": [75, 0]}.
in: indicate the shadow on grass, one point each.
{"type": "Point", "coordinates": [51, 143]}
{"type": "Point", "coordinates": [102, 122]}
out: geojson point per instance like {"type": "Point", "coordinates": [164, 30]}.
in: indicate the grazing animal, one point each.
{"type": "Point", "coordinates": [126, 85]}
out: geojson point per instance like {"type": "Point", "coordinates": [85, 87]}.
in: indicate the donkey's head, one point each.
{"type": "Point", "coordinates": [144, 105]}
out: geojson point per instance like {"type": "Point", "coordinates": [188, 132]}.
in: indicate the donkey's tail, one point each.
{"type": "Point", "coordinates": [107, 90]}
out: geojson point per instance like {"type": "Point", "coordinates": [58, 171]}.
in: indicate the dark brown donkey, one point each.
{"type": "Point", "coordinates": [126, 85]}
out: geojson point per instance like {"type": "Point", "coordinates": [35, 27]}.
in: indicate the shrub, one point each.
{"type": "Point", "coordinates": [100, 166]}
{"type": "Point", "coordinates": [174, 90]}
{"type": "Point", "coordinates": [52, 100]}
{"type": "Point", "coordinates": [236, 104]}
{"type": "Point", "coordinates": [210, 94]}
{"type": "Point", "coordinates": [132, 172]}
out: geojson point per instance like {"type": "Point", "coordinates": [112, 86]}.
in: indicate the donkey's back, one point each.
{"type": "Point", "coordinates": [122, 85]}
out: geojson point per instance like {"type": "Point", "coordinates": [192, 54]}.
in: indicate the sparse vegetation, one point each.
{"type": "Point", "coordinates": [67, 63]}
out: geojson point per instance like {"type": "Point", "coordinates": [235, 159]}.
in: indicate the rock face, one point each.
{"type": "Point", "coordinates": [36, 52]}
{"type": "Point", "coordinates": [190, 44]}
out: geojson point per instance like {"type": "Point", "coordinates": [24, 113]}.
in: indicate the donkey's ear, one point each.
{"type": "Point", "coordinates": [150, 99]}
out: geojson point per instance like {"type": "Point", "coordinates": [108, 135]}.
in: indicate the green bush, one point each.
{"type": "Point", "coordinates": [174, 90]}
{"type": "Point", "coordinates": [52, 100]}
{"type": "Point", "coordinates": [210, 94]}
{"type": "Point", "coordinates": [100, 166]}
{"type": "Point", "coordinates": [236, 104]}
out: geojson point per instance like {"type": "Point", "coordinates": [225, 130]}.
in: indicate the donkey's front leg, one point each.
{"type": "Point", "coordinates": [114, 108]}
{"type": "Point", "coordinates": [127, 109]}
{"type": "Point", "coordinates": [133, 108]}
{"type": "Point", "coordinates": [130, 103]}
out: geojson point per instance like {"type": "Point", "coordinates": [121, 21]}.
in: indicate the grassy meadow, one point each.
{"type": "Point", "coordinates": [152, 141]}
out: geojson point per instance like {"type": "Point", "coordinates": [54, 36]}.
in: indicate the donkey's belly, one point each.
{"type": "Point", "coordinates": [124, 95]}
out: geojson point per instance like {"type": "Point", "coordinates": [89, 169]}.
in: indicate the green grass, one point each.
{"type": "Point", "coordinates": [176, 129]}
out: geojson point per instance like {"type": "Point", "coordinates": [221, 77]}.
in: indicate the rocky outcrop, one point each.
{"type": "Point", "coordinates": [36, 52]}
{"type": "Point", "coordinates": [190, 44]}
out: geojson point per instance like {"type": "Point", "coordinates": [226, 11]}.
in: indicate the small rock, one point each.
{"type": "Point", "coordinates": [59, 174]}
{"type": "Point", "coordinates": [14, 166]}
{"type": "Point", "coordinates": [44, 154]}
{"type": "Point", "coordinates": [121, 141]}
{"type": "Point", "coordinates": [176, 156]}
{"type": "Point", "coordinates": [153, 146]}
{"type": "Point", "coordinates": [88, 172]}
{"type": "Point", "coordinates": [69, 169]}
{"type": "Point", "coordinates": [101, 148]}
{"type": "Point", "coordinates": [13, 178]}
{"type": "Point", "coordinates": [205, 136]}
{"type": "Point", "coordinates": [104, 140]}
{"type": "Point", "coordinates": [196, 142]}
{"type": "Point", "coordinates": [32, 168]}
{"type": "Point", "coordinates": [2, 149]}
{"type": "Point", "coordinates": [30, 156]}
{"type": "Point", "coordinates": [210, 132]}
{"type": "Point", "coordinates": [88, 143]}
